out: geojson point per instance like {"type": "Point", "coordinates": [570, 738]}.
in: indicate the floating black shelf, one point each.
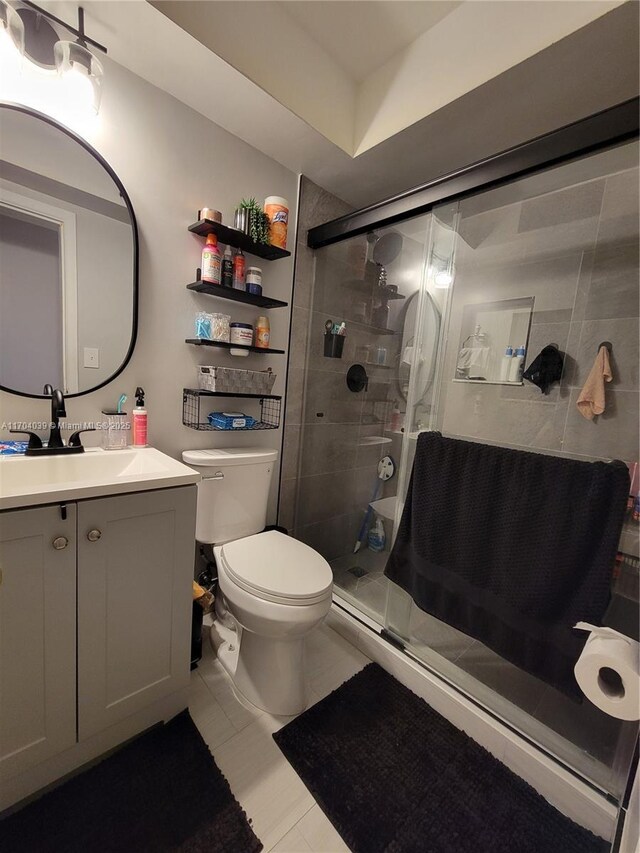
{"type": "Point", "coordinates": [238, 239]}
{"type": "Point", "coordinates": [221, 292]}
{"type": "Point", "coordinates": [203, 342]}
{"type": "Point", "coordinates": [193, 410]}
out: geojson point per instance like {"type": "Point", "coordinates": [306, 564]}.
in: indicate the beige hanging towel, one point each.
{"type": "Point", "coordinates": [591, 400]}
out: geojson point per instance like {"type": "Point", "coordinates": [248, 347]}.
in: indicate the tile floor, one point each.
{"type": "Point", "coordinates": [368, 592]}
{"type": "Point", "coordinates": [284, 815]}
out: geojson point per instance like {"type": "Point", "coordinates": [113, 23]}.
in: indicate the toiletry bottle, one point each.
{"type": "Point", "coordinates": [263, 332]}
{"type": "Point", "coordinates": [377, 538]}
{"type": "Point", "coordinates": [505, 366]}
{"type": "Point", "coordinates": [227, 268]}
{"type": "Point", "coordinates": [238, 270]}
{"type": "Point", "coordinates": [211, 261]}
{"type": "Point", "coordinates": [395, 423]}
{"type": "Point", "coordinates": [139, 420]}
{"type": "Point", "coordinates": [515, 368]}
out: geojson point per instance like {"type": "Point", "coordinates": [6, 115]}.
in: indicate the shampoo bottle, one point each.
{"type": "Point", "coordinates": [211, 261]}
{"type": "Point", "coordinates": [505, 366]}
{"type": "Point", "coordinates": [377, 538]}
{"type": "Point", "coordinates": [139, 420]}
{"type": "Point", "coordinates": [515, 368]}
{"type": "Point", "coordinates": [238, 270]}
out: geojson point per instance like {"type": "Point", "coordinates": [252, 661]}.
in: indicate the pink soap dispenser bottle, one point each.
{"type": "Point", "coordinates": [139, 420]}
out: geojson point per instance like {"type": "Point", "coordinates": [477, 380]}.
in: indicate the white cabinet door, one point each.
{"type": "Point", "coordinates": [37, 636]}
{"type": "Point", "coordinates": [135, 569]}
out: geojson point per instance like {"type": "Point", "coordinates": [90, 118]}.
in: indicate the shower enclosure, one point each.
{"type": "Point", "coordinates": [432, 304]}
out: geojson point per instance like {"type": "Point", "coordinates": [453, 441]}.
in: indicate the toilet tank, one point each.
{"type": "Point", "coordinates": [234, 491]}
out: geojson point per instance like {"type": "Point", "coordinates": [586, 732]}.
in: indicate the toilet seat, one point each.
{"type": "Point", "coordinates": [277, 568]}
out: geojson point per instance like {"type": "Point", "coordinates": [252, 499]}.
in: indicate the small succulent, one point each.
{"type": "Point", "coordinates": [258, 220]}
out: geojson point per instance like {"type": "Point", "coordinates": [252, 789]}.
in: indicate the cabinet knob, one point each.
{"type": "Point", "coordinates": [94, 535]}
{"type": "Point", "coordinates": [60, 542]}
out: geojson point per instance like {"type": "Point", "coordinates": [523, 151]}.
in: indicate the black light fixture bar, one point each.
{"type": "Point", "coordinates": [78, 32]}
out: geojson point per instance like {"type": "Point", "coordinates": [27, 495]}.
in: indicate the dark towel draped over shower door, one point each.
{"type": "Point", "coordinates": [511, 547]}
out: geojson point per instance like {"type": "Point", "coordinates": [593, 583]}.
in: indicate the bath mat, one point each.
{"type": "Point", "coordinates": [393, 775]}
{"type": "Point", "coordinates": [161, 792]}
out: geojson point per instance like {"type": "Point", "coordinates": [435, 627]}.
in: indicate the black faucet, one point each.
{"type": "Point", "coordinates": [58, 411]}
{"type": "Point", "coordinates": [55, 444]}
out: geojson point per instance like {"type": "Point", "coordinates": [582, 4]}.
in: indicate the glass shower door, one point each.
{"type": "Point", "coordinates": [566, 240]}
{"type": "Point", "coordinates": [355, 400]}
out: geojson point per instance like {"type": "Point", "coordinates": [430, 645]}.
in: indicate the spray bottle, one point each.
{"type": "Point", "coordinates": [139, 418]}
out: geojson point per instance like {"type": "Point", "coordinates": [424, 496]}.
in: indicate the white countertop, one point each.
{"type": "Point", "coordinates": [32, 480]}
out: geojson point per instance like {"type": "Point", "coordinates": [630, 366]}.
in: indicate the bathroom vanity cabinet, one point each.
{"type": "Point", "coordinates": [95, 610]}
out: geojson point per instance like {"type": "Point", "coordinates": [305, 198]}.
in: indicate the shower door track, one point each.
{"type": "Point", "coordinates": [397, 642]}
{"type": "Point", "coordinates": [607, 128]}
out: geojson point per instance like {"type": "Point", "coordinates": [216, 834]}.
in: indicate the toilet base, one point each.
{"type": "Point", "coordinates": [267, 672]}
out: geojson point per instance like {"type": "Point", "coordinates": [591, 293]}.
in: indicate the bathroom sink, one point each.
{"type": "Point", "coordinates": [29, 480]}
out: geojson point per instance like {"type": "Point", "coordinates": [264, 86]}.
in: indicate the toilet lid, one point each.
{"type": "Point", "coordinates": [278, 568]}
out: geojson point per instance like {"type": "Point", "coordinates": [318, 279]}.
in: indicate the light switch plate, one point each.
{"type": "Point", "coordinates": [91, 357]}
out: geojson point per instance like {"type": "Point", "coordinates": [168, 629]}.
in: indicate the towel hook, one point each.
{"type": "Point", "coordinates": [606, 344]}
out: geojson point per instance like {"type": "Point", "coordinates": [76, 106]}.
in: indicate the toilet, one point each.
{"type": "Point", "coordinates": [272, 589]}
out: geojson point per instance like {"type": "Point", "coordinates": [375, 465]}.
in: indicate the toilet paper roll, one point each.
{"type": "Point", "coordinates": [608, 672]}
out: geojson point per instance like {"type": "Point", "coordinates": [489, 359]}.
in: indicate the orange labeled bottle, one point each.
{"type": "Point", "coordinates": [263, 332]}
{"type": "Point", "coordinates": [211, 261]}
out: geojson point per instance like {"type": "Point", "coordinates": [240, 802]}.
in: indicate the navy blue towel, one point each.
{"type": "Point", "coordinates": [512, 548]}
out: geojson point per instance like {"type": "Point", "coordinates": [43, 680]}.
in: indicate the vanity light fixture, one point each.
{"type": "Point", "coordinates": [11, 31]}
{"type": "Point", "coordinates": [61, 74]}
{"type": "Point", "coordinates": [11, 48]}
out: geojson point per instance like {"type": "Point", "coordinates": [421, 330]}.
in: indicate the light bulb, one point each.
{"type": "Point", "coordinates": [443, 279]}
{"type": "Point", "coordinates": [81, 77]}
{"type": "Point", "coordinates": [77, 87]}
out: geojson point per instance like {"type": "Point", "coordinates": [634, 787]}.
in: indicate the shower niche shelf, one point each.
{"type": "Point", "coordinates": [195, 410]}
{"type": "Point", "coordinates": [372, 288]}
{"type": "Point", "coordinates": [374, 330]}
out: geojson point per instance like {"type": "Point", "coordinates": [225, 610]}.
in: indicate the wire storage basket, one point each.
{"type": "Point", "coordinates": [233, 380]}
{"type": "Point", "coordinates": [197, 404]}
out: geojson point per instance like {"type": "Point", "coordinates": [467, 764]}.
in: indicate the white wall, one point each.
{"type": "Point", "coordinates": [172, 161]}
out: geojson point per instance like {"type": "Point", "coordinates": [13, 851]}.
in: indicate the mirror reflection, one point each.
{"type": "Point", "coordinates": [67, 261]}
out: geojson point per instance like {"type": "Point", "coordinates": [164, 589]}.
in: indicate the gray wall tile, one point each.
{"type": "Point", "coordinates": [286, 510]}
{"type": "Point", "coordinates": [332, 537]}
{"type": "Point", "coordinates": [623, 334]}
{"type": "Point", "coordinates": [291, 451]}
{"type": "Point", "coordinates": [327, 393]}
{"type": "Point", "coordinates": [303, 276]}
{"type": "Point", "coordinates": [328, 447]}
{"type": "Point", "coordinates": [612, 435]}
{"type": "Point", "coordinates": [295, 394]}
{"type": "Point", "coordinates": [619, 220]}
{"type": "Point", "coordinates": [613, 285]}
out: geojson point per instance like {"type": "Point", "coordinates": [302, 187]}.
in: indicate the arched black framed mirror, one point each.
{"type": "Point", "coordinates": [68, 260]}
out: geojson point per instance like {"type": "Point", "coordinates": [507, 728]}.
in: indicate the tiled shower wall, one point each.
{"type": "Point", "coordinates": [329, 471]}
{"type": "Point", "coordinates": [576, 251]}
{"type": "Point", "coordinates": [315, 206]}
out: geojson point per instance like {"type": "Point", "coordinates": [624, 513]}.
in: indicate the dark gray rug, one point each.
{"type": "Point", "coordinates": [393, 775]}
{"type": "Point", "coordinates": [162, 792]}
